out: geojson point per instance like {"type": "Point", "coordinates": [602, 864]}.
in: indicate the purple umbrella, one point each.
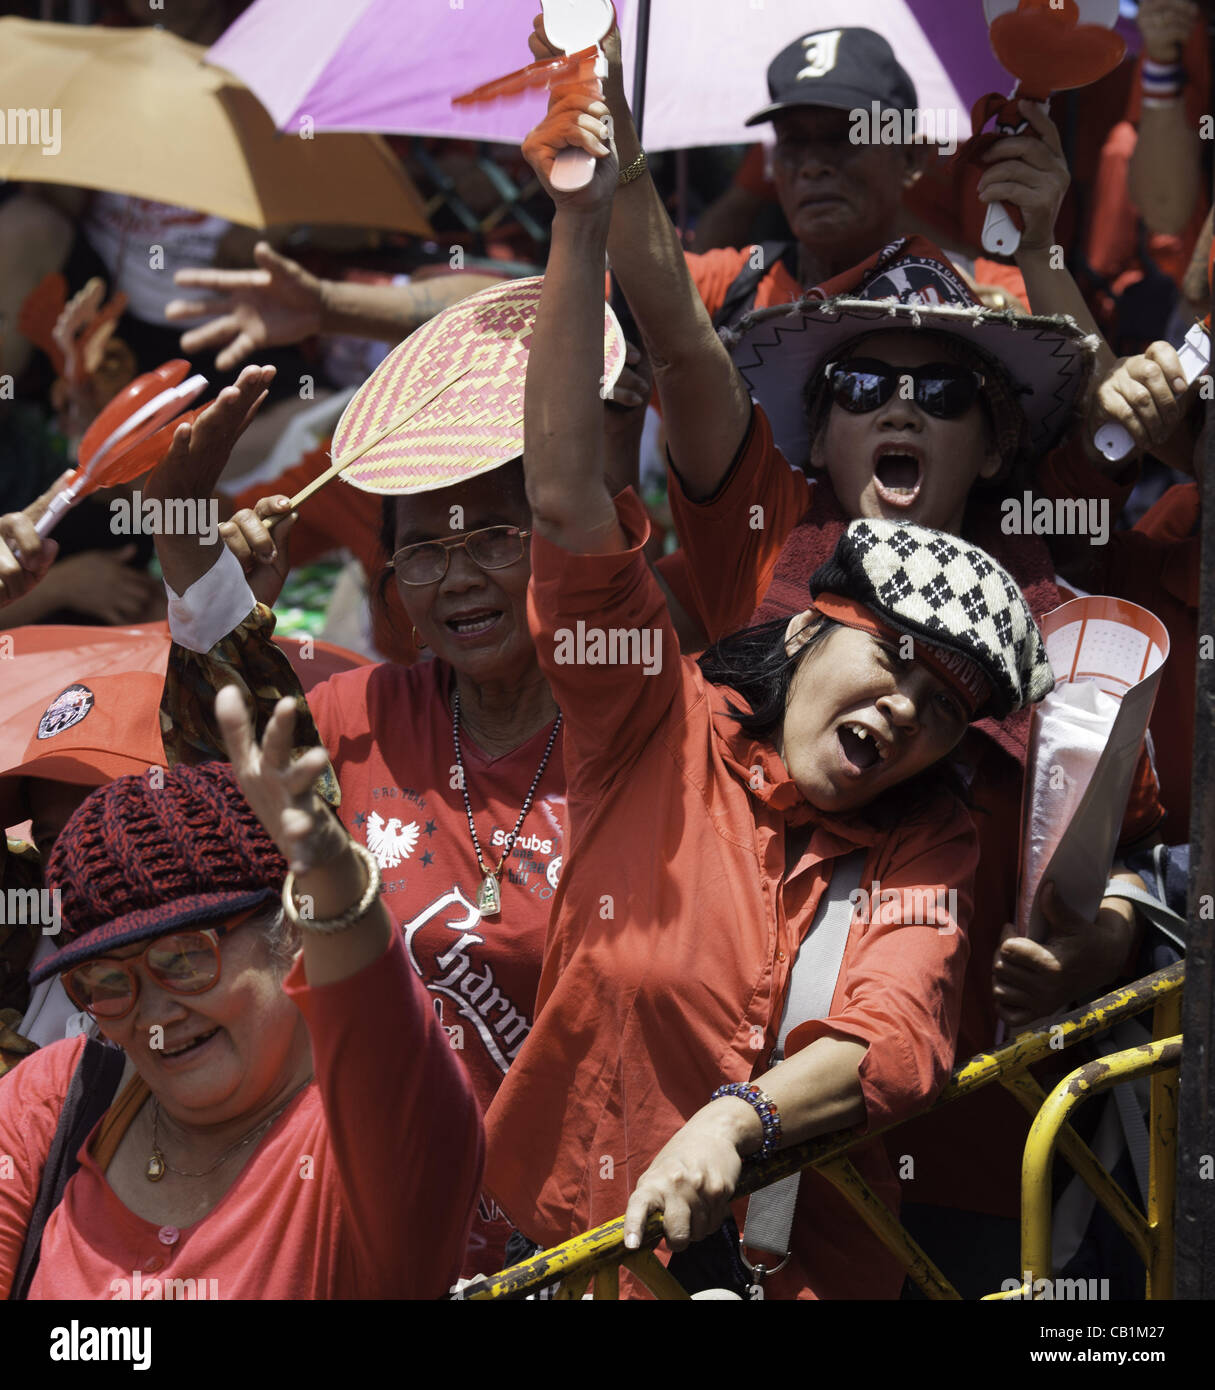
{"type": "Point", "coordinates": [384, 66]}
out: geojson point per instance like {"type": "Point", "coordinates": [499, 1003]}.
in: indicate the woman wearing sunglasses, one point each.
{"type": "Point", "coordinates": [450, 771]}
{"type": "Point", "coordinates": [289, 1123]}
{"type": "Point", "coordinates": [712, 809]}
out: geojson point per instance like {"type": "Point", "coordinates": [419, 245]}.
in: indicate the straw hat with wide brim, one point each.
{"type": "Point", "coordinates": [447, 404]}
{"type": "Point", "coordinates": [1048, 360]}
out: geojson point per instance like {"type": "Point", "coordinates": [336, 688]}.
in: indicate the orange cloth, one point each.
{"type": "Point", "coordinates": [342, 516]}
{"type": "Point", "coordinates": [390, 1127]}
{"type": "Point", "coordinates": [675, 926]}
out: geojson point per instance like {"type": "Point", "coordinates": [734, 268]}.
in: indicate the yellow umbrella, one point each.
{"type": "Point", "coordinates": [138, 111]}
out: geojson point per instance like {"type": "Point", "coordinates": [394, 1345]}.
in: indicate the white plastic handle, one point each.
{"type": "Point", "coordinates": [1001, 235]}
{"type": "Point", "coordinates": [572, 170]}
{"type": "Point", "coordinates": [1194, 352]}
{"type": "Point", "coordinates": [61, 502]}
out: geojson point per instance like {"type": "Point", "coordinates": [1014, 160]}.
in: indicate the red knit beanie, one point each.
{"type": "Point", "coordinates": [138, 861]}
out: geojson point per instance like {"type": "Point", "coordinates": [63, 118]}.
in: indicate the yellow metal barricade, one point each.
{"type": "Point", "coordinates": [593, 1261]}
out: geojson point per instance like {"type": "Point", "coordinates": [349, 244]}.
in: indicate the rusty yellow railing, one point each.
{"type": "Point", "coordinates": [598, 1255]}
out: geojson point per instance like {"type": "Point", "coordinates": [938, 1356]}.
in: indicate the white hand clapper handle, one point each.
{"type": "Point", "coordinates": [571, 26]}
{"type": "Point", "coordinates": [1114, 440]}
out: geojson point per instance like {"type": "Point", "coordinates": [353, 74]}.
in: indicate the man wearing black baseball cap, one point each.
{"type": "Point", "coordinates": [840, 198]}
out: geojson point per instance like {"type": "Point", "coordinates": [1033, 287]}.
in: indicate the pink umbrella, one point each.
{"type": "Point", "coordinates": [384, 66]}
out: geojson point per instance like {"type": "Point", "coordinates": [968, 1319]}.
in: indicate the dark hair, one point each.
{"type": "Point", "coordinates": [756, 664]}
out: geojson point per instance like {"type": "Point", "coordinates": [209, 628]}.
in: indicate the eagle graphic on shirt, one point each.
{"type": "Point", "coordinates": [392, 842]}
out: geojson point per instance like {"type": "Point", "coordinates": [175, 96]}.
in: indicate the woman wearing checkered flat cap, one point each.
{"type": "Point", "coordinates": [711, 807]}
{"type": "Point", "coordinates": [290, 1121]}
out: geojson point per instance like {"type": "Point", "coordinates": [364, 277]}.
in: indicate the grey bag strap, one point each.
{"type": "Point", "coordinates": [1163, 918]}
{"type": "Point", "coordinates": [811, 988]}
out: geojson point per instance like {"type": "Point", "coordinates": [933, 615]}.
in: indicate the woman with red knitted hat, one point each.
{"type": "Point", "coordinates": [287, 1123]}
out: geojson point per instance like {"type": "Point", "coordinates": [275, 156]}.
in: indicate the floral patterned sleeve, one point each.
{"type": "Point", "coordinates": [247, 658]}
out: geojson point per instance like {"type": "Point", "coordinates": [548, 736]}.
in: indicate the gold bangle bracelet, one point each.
{"type": "Point", "coordinates": [634, 171]}
{"type": "Point", "coordinates": [348, 918]}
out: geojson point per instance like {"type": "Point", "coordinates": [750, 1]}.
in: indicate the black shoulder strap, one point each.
{"type": "Point", "coordinates": [740, 297]}
{"type": "Point", "coordinates": [92, 1089]}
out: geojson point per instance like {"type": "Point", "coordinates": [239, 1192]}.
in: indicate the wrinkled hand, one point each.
{"type": "Point", "coordinates": [1033, 979]}
{"type": "Point", "coordinates": [261, 552]}
{"type": "Point", "coordinates": [1166, 26]}
{"type": "Point", "coordinates": [25, 557]}
{"type": "Point", "coordinates": [692, 1179]}
{"type": "Point", "coordinates": [278, 304]}
{"type": "Point", "coordinates": [577, 118]}
{"type": "Point", "coordinates": [200, 450]}
{"type": "Point", "coordinates": [1146, 394]}
{"type": "Point", "coordinates": [1029, 171]}
{"type": "Point", "coordinates": [280, 790]}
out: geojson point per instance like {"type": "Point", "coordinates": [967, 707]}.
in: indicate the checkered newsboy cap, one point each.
{"type": "Point", "coordinates": [949, 594]}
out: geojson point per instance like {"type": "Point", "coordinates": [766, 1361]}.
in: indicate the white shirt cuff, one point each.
{"type": "Point", "coordinates": [212, 606]}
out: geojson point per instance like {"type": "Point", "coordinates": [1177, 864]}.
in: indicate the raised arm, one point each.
{"type": "Point", "coordinates": [705, 402]}
{"type": "Point", "coordinates": [1030, 171]}
{"type": "Point", "coordinates": [280, 303]}
{"type": "Point", "coordinates": [1165, 177]}
{"type": "Point", "coordinates": [563, 450]}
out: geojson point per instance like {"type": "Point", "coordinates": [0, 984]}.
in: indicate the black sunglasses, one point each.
{"type": "Point", "coordinates": [941, 389]}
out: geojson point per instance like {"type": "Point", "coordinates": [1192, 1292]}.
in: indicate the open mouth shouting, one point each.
{"type": "Point", "coordinates": [860, 748]}
{"type": "Point", "coordinates": [898, 473]}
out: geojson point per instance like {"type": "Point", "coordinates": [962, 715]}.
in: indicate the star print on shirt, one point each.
{"type": "Point", "coordinates": [427, 859]}
{"type": "Point", "coordinates": [430, 827]}
{"type": "Point", "coordinates": [360, 818]}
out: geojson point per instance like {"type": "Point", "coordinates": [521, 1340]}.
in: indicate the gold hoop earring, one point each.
{"type": "Point", "coordinates": [417, 641]}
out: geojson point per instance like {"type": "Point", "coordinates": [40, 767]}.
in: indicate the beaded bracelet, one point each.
{"type": "Point", "coordinates": [763, 1105]}
{"type": "Point", "coordinates": [348, 918]}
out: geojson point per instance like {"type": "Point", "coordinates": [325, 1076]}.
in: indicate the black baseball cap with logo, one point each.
{"type": "Point", "coordinates": [841, 68]}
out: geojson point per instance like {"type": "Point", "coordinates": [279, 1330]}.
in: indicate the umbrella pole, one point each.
{"type": "Point", "coordinates": [642, 46]}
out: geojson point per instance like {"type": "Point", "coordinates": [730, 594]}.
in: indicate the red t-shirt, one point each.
{"type": "Point", "coordinates": [388, 730]}
{"type": "Point", "coordinates": [362, 1188]}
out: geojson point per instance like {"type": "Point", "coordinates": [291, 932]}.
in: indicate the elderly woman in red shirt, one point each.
{"type": "Point", "coordinates": [279, 1129]}
{"type": "Point", "coordinates": [710, 810]}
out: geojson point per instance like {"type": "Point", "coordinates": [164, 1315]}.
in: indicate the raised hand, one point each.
{"type": "Point", "coordinates": [577, 118]}
{"type": "Point", "coordinates": [192, 467]}
{"type": "Point", "coordinates": [1030, 171]}
{"type": "Point", "coordinates": [1166, 26]}
{"type": "Point", "coordinates": [277, 304]}
{"type": "Point", "coordinates": [280, 790]}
